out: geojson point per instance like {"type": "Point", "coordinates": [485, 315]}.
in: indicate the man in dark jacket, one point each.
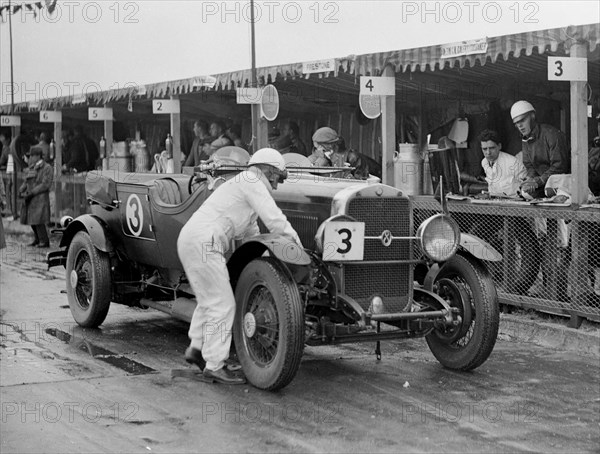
{"type": "Point", "coordinates": [35, 190]}
{"type": "Point", "coordinates": [83, 153]}
{"type": "Point", "coordinates": [545, 149]}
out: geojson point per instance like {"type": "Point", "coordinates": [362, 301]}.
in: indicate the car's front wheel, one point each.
{"type": "Point", "coordinates": [88, 281]}
{"type": "Point", "coordinates": [467, 287]}
{"type": "Point", "coordinates": [269, 324]}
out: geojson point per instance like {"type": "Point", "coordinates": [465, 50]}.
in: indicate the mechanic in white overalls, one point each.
{"type": "Point", "coordinates": [230, 213]}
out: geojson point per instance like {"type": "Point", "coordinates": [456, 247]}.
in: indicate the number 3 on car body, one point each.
{"type": "Point", "coordinates": [344, 241]}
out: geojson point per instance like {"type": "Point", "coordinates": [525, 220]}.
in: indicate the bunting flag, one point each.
{"type": "Point", "coordinates": [33, 6]}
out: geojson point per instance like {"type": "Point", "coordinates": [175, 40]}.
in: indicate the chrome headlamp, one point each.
{"type": "Point", "coordinates": [439, 237]}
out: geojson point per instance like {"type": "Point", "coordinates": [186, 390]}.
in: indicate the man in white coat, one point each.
{"type": "Point", "coordinates": [504, 173]}
{"type": "Point", "coordinates": [230, 213]}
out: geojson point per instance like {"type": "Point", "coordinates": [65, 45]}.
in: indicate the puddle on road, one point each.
{"type": "Point", "coordinates": [128, 365]}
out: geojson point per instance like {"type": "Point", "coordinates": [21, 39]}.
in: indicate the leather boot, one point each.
{"type": "Point", "coordinates": [223, 376]}
{"type": "Point", "coordinates": [194, 356]}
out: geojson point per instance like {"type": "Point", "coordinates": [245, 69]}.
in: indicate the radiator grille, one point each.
{"type": "Point", "coordinates": [392, 282]}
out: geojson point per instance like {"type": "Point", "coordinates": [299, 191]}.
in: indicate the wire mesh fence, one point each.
{"type": "Point", "coordinates": [550, 255]}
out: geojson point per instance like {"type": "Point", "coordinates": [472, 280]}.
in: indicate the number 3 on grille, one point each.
{"type": "Point", "coordinates": [344, 241]}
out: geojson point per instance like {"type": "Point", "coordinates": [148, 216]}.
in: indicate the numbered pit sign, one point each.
{"type": "Point", "coordinates": [248, 95]}
{"type": "Point", "coordinates": [10, 120]}
{"type": "Point", "coordinates": [344, 241]}
{"type": "Point", "coordinates": [50, 116]}
{"type": "Point", "coordinates": [100, 113]}
{"type": "Point", "coordinates": [165, 106]}
{"type": "Point", "coordinates": [380, 86]}
{"type": "Point", "coordinates": [567, 68]}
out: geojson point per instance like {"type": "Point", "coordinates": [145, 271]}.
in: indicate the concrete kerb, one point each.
{"type": "Point", "coordinates": [513, 328]}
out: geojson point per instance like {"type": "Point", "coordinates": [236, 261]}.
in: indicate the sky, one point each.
{"type": "Point", "coordinates": [86, 46]}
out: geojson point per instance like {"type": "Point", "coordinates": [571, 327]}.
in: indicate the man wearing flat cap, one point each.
{"type": "Point", "coordinates": [35, 191]}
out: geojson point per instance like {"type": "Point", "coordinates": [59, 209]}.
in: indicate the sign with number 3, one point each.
{"type": "Point", "coordinates": [344, 241]}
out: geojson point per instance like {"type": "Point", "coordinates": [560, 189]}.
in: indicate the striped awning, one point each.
{"type": "Point", "coordinates": [430, 58]}
{"type": "Point", "coordinates": [419, 59]}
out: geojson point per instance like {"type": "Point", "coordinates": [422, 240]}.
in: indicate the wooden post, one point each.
{"type": "Point", "coordinates": [15, 131]}
{"type": "Point", "coordinates": [58, 160]}
{"type": "Point", "coordinates": [259, 129]}
{"type": "Point", "coordinates": [176, 134]}
{"type": "Point", "coordinates": [579, 133]}
{"type": "Point", "coordinates": [108, 136]}
{"type": "Point", "coordinates": [388, 132]}
{"type": "Point", "coordinates": [58, 149]}
{"type": "Point", "coordinates": [579, 176]}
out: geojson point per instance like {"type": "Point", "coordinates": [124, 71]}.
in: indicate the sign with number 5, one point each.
{"type": "Point", "coordinates": [344, 241]}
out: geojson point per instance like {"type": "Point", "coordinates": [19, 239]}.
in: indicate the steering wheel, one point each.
{"type": "Point", "coordinates": [194, 183]}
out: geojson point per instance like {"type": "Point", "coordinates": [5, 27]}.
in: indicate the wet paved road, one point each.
{"type": "Point", "coordinates": [65, 389]}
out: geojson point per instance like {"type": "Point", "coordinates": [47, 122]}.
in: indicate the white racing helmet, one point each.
{"type": "Point", "coordinates": [520, 108]}
{"type": "Point", "coordinates": [268, 156]}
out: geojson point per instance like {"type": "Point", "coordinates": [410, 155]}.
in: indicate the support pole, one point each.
{"type": "Point", "coordinates": [579, 133]}
{"type": "Point", "coordinates": [108, 136]}
{"type": "Point", "coordinates": [58, 160]}
{"type": "Point", "coordinates": [176, 134]}
{"type": "Point", "coordinates": [579, 179]}
{"type": "Point", "coordinates": [388, 132]}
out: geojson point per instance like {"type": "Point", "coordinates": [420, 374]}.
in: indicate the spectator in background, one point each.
{"type": "Point", "coordinates": [234, 133]}
{"type": "Point", "coordinates": [200, 133]}
{"type": "Point", "coordinates": [217, 130]}
{"type": "Point", "coordinates": [66, 139]}
{"type": "Point", "coordinates": [545, 150]}
{"type": "Point", "coordinates": [504, 173]}
{"type": "Point", "coordinates": [291, 132]}
{"type": "Point", "coordinates": [5, 149]}
{"type": "Point", "coordinates": [2, 206]}
{"type": "Point", "coordinates": [324, 140]}
{"type": "Point", "coordinates": [35, 190]}
{"type": "Point", "coordinates": [19, 149]}
{"type": "Point", "coordinates": [44, 144]}
{"type": "Point", "coordinates": [330, 150]}
{"type": "Point", "coordinates": [594, 162]}
{"type": "Point", "coordinates": [83, 153]}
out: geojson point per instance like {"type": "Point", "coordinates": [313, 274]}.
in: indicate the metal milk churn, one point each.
{"type": "Point", "coordinates": [408, 169]}
{"type": "Point", "coordinates": [141, 157]}
{"type": "Point", "coordinates": [121, 157]}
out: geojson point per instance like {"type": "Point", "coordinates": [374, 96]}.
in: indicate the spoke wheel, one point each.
{"type": "Point", "coordinates": [88, 281]}
{"type": "Point", "coordinates": [467, 287]}
{"type": "Point", "coordinates": [269, 326]}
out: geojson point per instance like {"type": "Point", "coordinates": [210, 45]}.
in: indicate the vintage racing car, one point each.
{"type": "Point", "coordinates": [367, 273]}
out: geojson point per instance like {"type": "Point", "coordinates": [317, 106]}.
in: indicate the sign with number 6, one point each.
{"type": "Point", "coordinates": [50, 116]}
{"type": "Point", "coordinates": [344, 241]}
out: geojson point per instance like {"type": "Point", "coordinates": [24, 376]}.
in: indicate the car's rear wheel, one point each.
{"type": "Point", "coordinates": [269, 324]}
{"type": "Point", "coordinates": [466, 285]}
{"type": "Point", "coordinates": [88, 281]}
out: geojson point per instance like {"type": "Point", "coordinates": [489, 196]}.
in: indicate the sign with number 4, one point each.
{"type": "Point", "coordinates": [379, 86]}
{"type": "Point", "coordinates": [344, 241]}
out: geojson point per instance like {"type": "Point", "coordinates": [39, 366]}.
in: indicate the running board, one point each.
{"type": "Point", "coordinates": [180, 308]}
